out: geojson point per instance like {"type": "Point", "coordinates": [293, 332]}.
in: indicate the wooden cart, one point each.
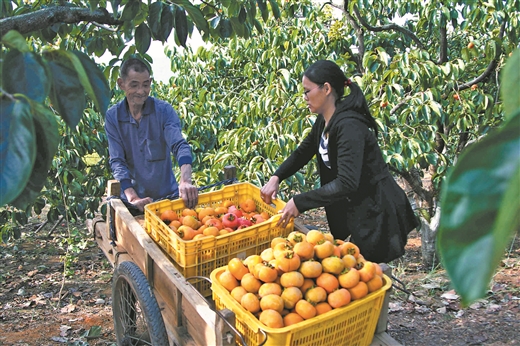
{"type": "Point", "coordinates": [152, 302]}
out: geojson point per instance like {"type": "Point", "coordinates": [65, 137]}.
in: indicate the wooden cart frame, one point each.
{"type": "Point", "coordinates": [188, 318]}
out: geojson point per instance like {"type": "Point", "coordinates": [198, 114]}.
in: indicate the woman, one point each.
{"type": "Point", "coordinates": [360, 196]}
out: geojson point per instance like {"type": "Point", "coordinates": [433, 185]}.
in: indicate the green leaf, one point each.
{"type": "Point", "coordinates": [24, 73]}
{"type": "Point", "coordinates": [167, 21]}
{"type": "Point", "coordinates": [131, 10]}
{"type": "Point", "coordinates": [225, 28]}
{"type": "Point", "coordinates": [67, 94]}
{"type": "Point", "coordinates": [276, 10]}
{"type": "Point", "coordinates": [263, 9]}
{"type": "Point", "coordinates": [92, 79]}
{"type": "Point", "coordinates": [181, 26]}
{"type": "Point", "coordinates": [17, 147]}
{"type": "Point", "coordinates": [47, 139]}
{"type": "Point", "coordinates": [197, 17]}
{"type": "Point", "coordinates": [154, 18]}
{"type": "Point", "coordinates": [510, 86]}
{"type": "Point", "coordinates": [471, 229]}
{"type": "Point", "coordinates": [143, 38]}
{"type": "Point", "coordinates": [15, 40]}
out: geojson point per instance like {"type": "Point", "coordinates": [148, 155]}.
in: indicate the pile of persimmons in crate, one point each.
{"type": "Point", "coordinates": [300, 277]}
{"type": "Point", "coordinates": [201, 222]}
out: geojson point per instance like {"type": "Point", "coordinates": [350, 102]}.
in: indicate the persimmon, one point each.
{"type": "Point", "coordinates": [238, 292]}
{"type": "Point", "coordinates": [307, 283]}
{"type": "Point", "coordinates": [291, 318]}
{"type": "Point", "coordinates": [290, 296]}
{"type": "Point", "coordinates": [265, 215]}
{"type": "Point", "coordinates": [348, 278]}
{"type": "Point", "coordinates": [328, 281]}
{"type": "Point", "coordinates": [350, 249]}
{"type": "Point", "coordinates": [310, 269]}
{"type": "Point", "coordinates": [251, 261]}
{"type": "Point", "coordinates": [296, 237]}
{"type": "Point", "coordinates": [375, 284]}
{"type": "Point", "coordinates": [250, 283]}
{"type": "Point", "coordinates": [227, 203]}
{"type": "Point", "coordinates": [280, 248]}
{"type": "Point", "coordinates": [190, 221]}
{"type": "Point", "coordinates": [250, 302]}
{"type": "Point", "coordinates": [219, 211]}
{"type": "Point", "coordinates": [323, 249]}
{"type": "Point", "coordinates": [270, 288]}
{"type": "Point", "coordinates": [227, 280]}
{"type": "Point", "coordinates": [277, 240]}
{"type": "Point", "coordinates": [304, 249]}
{"type": "Point", "coordinates": [224, 231]}
{"type": "Point", "coordinates": [288, 261]}
{"type": "Point", "coordinates": [212, 230]}
{"type": "Point", "coordinates": [328, 236]}
{"type": "Point", "coordinates": [214, 222]}
{"type": "Point", "coordinates": [175, 223]}
{"type": "Point", "coordinates": [314, 236]}
{"type": "Point", "coordinates": [188, 211]}
{"type": "Point", "coordinates": [367, 270]}
{"type": "Point", "coordinates": [186, 232]}
{"type": "Point", "coordinates": [173, 228]}
{"type": "Point", "coordinates": [207, 211]}
{"type": "Point", "coordinates": [168, 216]}
{"type": "Point", "coordinates": [265, 272]}
{"type": "Point", "coordinates": [267, 254]}
{"type": "Point", "coordinates": [322, 308]}
{"type": "Point", "coordinates": [271, 318]}
{"type": "Point", "coordinates": [248, 205]}
{"type": "Point", "coordinates": [237, 267]}
{"type": "Point", "coordinates": [273, 302]}
{"type": "Point", "coordinates": [200, 236]}
{"type": "Point", "coordinates": [379, 270]}
{"type": "Point", "coordinates": [291, 279]}
{"type": "Point", "coordinates": [333, 265]}
{"type": "Point", "coordinates": [305, 309]}
{"type": "Point", "coordinates": [349, 261]}
{"type": "Point", "coordinates": [339, 298]}
{"type": "Point", "coordinates": [358, 291]}
{"type": "Point", "coordinates": [315, 295]}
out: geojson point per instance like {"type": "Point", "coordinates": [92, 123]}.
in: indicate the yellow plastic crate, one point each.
{"type": "Point", "coordinates": [200, 257]}
{"type": "Point", "coordinates": [353, 324]}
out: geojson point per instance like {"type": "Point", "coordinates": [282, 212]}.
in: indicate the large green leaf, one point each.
{"type": "Point", "coordinates": [181, 26]}
{"type": "Point", "coordinates": [24, 73]}
{"type": "Point", "coordinates": [47, 139]}
{"type": "Point", "coordinates": [474, 231]}
{"type": "Point", "coordinates": [143, 38]}
{"type": "Point", "coordinates": [92, 79]}
{"type": "Point", "coordinates": [17, 147]}
{"type": "Point", "coordinates": [154, 18]}
{"type": "Point", "coordinates": [67, 94]}
{"type": "Point", "coordinates": [131, 10]}
{"type": "Point", "coordinates": [15, 40]}
{"type": "Point", "coordinates": [510, 89]}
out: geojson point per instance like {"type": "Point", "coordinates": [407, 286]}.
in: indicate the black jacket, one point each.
{"type": "Point", "coordinates": [360, 196]}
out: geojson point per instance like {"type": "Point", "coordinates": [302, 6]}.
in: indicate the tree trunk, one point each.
{"type": "Point", "coordinates": [429, 239]}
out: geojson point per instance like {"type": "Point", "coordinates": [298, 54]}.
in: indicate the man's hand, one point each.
{"type": "Point", "coordinates": [135, 200]}
{"type": "Point", "coordinates": [268, 191]}
{"type": "Point", "coordinates": [188, 192]}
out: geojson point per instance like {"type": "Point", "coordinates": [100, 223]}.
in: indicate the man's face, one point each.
{"type": "Point", "coordinates": [136, 87]}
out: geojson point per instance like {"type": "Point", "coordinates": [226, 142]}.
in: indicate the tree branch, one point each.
{"type": "Point", "coordinates": [388, 27]}
{"type": "Point", "coordinates": [42, 19]}
{"type": "Point", "coordinates": [443, 54]}
{"type": "Point", "coordinates": [492, 65]}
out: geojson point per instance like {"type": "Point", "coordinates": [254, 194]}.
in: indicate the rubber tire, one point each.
{"type": "Point", "coordinates": [137, 317]}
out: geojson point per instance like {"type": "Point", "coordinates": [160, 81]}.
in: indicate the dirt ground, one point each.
{"type": "Point", "coordinates": [41, 305]}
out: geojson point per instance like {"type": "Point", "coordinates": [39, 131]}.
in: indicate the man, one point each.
{"type": "Point", "coordinates": [142, 131]}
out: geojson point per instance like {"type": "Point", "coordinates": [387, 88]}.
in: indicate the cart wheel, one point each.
{"type": "Point", "coordinates": [137, 317]}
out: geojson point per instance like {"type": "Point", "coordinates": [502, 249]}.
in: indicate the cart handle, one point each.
{"type": "Point", "coordinates": [222, 316]}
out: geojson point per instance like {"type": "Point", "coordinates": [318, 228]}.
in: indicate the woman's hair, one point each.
{"type": "Point", "coordinates": [326, 71]}
{"type": "Point", "coordinates": [133, 64]}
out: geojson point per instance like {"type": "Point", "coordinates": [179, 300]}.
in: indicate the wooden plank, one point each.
{"type": "Point", "coordinates": [196, 316]}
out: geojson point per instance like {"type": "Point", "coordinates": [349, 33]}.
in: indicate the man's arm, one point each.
{"type": "Point", "coordinates": [188, 192]}
{"type": "Point", "coordinates": [133, 198]}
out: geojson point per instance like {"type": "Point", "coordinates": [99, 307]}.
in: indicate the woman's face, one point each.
{"type": "Point", "coordinates": [314, 95]}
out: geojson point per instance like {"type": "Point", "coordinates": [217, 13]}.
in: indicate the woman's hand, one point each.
{"type": "Point", "coordinates": [288, 213]}
{"type": "Point", "coordinates": [269, 191]}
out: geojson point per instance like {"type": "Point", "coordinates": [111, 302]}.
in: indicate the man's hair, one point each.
{"type": "Point", "coordinates": [133, 64]}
